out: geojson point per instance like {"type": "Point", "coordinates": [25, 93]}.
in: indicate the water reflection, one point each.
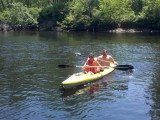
{"type": "Point", "coordinates": [104, 84]}
{"type": "Point", "coordinates": [82, 89]}
{"type": "Point", "coordinates": [94, 97]}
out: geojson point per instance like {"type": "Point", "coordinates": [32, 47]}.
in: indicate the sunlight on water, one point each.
{"type": "Point", "coordinates": [30, 78]}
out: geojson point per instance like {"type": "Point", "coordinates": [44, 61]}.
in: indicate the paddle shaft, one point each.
{"type": "Point", "coordinates": [118, 67]}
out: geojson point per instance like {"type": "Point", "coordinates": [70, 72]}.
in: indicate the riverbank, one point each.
{"type": "Point", "coordinates": [7, 27]}
{"type": "Point", "coordinates": [131, 30]}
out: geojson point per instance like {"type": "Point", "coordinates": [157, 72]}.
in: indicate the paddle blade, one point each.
{"type": "Point", "coordinates": [64, 66]}
{"type": "Point", "coordinates": [124, 67]}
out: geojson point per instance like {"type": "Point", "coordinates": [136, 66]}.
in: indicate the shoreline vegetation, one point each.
{"type": "Point", "coordinates": [4, 27]}
{"type": "Point", "coordinates": [124, 16]}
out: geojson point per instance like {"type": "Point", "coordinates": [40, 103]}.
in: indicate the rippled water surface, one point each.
{"type": "Point", "coordinates": [30, 79]}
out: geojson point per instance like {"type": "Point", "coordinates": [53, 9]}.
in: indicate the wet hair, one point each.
{"type": "Point", "coordinates": [91, 55]}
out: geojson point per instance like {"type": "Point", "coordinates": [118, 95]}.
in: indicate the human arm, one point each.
{"type": "Point", "coordinates": [112, 60]}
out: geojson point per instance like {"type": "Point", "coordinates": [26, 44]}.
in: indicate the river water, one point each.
{"type": "Point", "coordinates": [30, 79]}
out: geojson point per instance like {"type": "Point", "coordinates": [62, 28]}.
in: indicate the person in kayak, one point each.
{"type": "Point", "coordinates": [90, 65]}
{"type": "Point", "coordinates": [105, 59]}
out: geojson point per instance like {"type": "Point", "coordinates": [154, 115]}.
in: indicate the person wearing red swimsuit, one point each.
{"type": "Point", "coordinates": [90, 65]}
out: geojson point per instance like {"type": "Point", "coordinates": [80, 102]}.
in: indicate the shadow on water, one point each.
{"type": "Point", "coordinates": [81, 89]}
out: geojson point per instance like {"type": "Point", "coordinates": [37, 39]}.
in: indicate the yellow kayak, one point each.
{"type": "Point", "coordinates": [82, 78]}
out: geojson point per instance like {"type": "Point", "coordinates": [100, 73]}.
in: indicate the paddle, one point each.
{"type": "Point", "coordinates": [118, 67]}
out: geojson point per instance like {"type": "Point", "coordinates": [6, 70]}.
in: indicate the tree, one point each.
{"type": "Point", "coordinates": [137, 6]}
{"type": "Point", "coordinates": [150, 15]}
{"type": "Point", "coordinates": [54, 12]}
{"type": "Point", "coordinates": [118, 11]}
{"type": "Point", "coordinates": [20, 15]}
{"type": "Point", "coordinates": [80, 13]}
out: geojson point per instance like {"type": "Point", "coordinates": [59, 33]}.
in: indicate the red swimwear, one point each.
{"type": "Point", "coordinates": [88, 67]}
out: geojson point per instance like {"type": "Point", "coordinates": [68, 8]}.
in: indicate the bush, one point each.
{"type": "Point", "coordinates": [20, 15]}
{"type": "Point", "coordinates": [149, 18]}
{"type": "Point", "coordinates": [80, 14]}
{"type": "Point", "coordinates": [34, 12]}
{"type": "Point", "coordinates": [54, 12]}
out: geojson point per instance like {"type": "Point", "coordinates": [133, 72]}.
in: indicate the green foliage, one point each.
{"type": "Point", "coordinates": [34, 12]}
{"type": "Point", "coordinates": [150, 15]}
{"type": "Point", "coordinates": [33, 3]}
{"type": "Point", "coordinates": [54, 12]}
{"type": "Point", "coordinates": [137, 6]}
{"type": "Point", "coordinates": [80, 14]}
{"type": "Point", "coordinates": [20, 15]}
{"type": "Point", "coordinates": [97, 14]}
{"type": "Point", "coordinates": [116, 11]}
{"type": "Point", "coordinates": [83, 14]}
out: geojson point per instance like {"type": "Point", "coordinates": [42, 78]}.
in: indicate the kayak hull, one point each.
{"type": "Point", "coordinates": [82, 78]}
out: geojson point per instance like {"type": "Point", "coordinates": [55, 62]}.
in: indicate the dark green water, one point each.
{"type": "Point", "coordinates": [30, 79]}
